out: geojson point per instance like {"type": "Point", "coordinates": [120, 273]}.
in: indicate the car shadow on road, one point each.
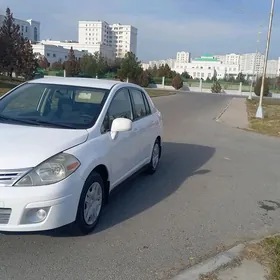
{"type": "Point", "coordinates": [178, 163]}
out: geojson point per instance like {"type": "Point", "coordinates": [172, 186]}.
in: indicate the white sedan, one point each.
{"type": "Point", "coordinates": [65, 144]}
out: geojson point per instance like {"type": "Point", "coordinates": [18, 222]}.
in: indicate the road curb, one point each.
{"type": "Point", "coordinates": [212, 264]}
{"type": "Point", "coordinates": [224, 110]}
{"type": "Point", "coordinates": [219, 261]}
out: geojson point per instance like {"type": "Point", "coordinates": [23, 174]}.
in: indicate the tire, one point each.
{"type": "Point", "coordinates": [93, 190]}
{"type": "Point", "coordinates": [152, 166]}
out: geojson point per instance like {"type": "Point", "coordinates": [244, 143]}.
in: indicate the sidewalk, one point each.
{"type": "Point", "coordinates": [235, 114]}
{"type": "Point", "coordinates": [248, 270]}
{"type": "Point", "coordinates": [239, 263]}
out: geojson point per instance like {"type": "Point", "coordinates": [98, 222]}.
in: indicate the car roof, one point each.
{"type": "Point", "coordinates": [84, 82]}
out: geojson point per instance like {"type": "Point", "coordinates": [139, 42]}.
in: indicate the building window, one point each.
{"type": "Point", "coordinates": [54, 55]}
{"type": "Point", "coordinates": [48, 54]}
{"type": "Point", "coordinates": [35, 34]}
{"type": "Point", "coordinates": [26, 29]}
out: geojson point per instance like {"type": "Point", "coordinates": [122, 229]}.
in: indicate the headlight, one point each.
{"type": "Point", "coordinates": [50, 171]}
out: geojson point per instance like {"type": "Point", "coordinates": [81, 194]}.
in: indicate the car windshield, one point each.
{"type": "Point", "coordinates": [53, 105]}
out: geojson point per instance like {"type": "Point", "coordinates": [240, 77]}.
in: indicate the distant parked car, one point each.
{"type": "Point", "coordinates": [65, 144]}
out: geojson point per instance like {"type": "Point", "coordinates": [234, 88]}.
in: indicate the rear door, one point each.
{"type": "Point", "coordinates": [143, 125]}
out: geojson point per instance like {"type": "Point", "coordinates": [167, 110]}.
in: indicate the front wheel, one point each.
{"type": "Point", "coordinates": [90, 205]}
{"type": "Point", "coordinates": [152, 166]}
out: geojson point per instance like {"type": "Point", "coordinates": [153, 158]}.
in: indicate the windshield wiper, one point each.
{"type": "Point", "coordinates": [35, 122]}
{"type": "Point", "coordinates": [41, 122]}
{"type": "Point", "coordinates": [6, 118]}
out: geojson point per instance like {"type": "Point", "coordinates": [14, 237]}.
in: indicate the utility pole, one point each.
{"type": "Point", "coordinates": [259, 113]}
{"type": "Point", "coordinates": [254, 67]}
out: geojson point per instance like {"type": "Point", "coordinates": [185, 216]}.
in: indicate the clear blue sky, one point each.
{"type": "Point", "coordinates": [164, 26]}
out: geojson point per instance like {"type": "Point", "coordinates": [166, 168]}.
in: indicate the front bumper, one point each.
{"type": "Point", "coordinates": [40, 208]}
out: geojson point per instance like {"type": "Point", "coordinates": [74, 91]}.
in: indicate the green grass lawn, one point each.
{"type": "Point", "coordinates": [266, 252]}
{"type": "Point", "coordinates": [5, 86]}
{"type": "Point", "coordinates": [159, 92]}
{"type": "Point", "coordinates": [270, 124]}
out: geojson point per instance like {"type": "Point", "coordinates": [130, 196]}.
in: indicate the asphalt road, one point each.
{"type": "Point", "coordinates": [215, 186]}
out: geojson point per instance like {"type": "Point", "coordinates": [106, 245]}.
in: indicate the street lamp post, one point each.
{"type": "Point", "coordinates": [259, 113]}
{"type": "Point", "coordinates": [254, 67]}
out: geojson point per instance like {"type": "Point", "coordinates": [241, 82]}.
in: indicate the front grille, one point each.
{"type": "Point", "coordinates": [5, 214]}
{"type": "Point", "coordinates": [9, 177]}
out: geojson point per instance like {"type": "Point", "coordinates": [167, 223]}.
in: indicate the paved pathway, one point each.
{"type": "Point", "coordinates": [247, 270]}
{"type": "Point", "coordinates": [235, 114]}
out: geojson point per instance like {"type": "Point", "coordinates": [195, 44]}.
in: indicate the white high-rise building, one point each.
{"type": "Point", "coordinates": [29, 29]}
{"type": "Point", "coordinates": [272, 68]}
{"type": "Point", "coordinates": [231, 59]}
{"type": "Point", "coordinates": [124, 39]}
{"type": "Point", "coordinates": [121, 38]}
{"type": "Point", "coordinates": [94, 32]}
{"type": "Point", "coordinates": [183, 57]}
{"type": "Point", "coordinates": [248, 60]}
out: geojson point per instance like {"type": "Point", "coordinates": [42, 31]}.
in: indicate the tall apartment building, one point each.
{"type": "Point", "coordinates": [248, 60]}
{"type": "Point", "coordinates": [29, 29]}
{"type": "Point", "coordinates": [124, 39]}
{"type": "Point", "coordinates": [121, 38]}
{"type": "Point", "coordinates": [232, 58]}
{"type": "Point", "coordinates": [272, 68]}
{"type": "Point", "coordinates": [183, 57]}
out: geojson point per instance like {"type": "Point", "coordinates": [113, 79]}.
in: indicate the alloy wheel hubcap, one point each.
{"type": "Point", "coordinates": [155, 156]}
{"type": "Point", "coordinates": [93, 202]}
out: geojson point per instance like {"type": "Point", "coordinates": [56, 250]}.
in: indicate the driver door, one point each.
{"type": "Point", "coordinates": [123, 149]}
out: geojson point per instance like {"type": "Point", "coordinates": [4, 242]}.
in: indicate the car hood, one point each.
{"type": "Point", "coordinates": [28, 146]}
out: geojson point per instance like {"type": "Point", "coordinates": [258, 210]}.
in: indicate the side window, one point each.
{"type": "Point", "coordinates": [139, 104]}
{"type": "Point", "coordinates": [120, 107]}
{"type": "Point", "coordinates": [147, 105]}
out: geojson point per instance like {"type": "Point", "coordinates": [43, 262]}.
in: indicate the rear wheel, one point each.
{"type": "Point", "coordinates": [90, 205]}
{"type": "Point", "coordinates": [152, 167]}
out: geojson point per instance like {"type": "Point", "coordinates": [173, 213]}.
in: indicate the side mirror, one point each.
{"type": "Point", "coordinates": [120, 125]}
